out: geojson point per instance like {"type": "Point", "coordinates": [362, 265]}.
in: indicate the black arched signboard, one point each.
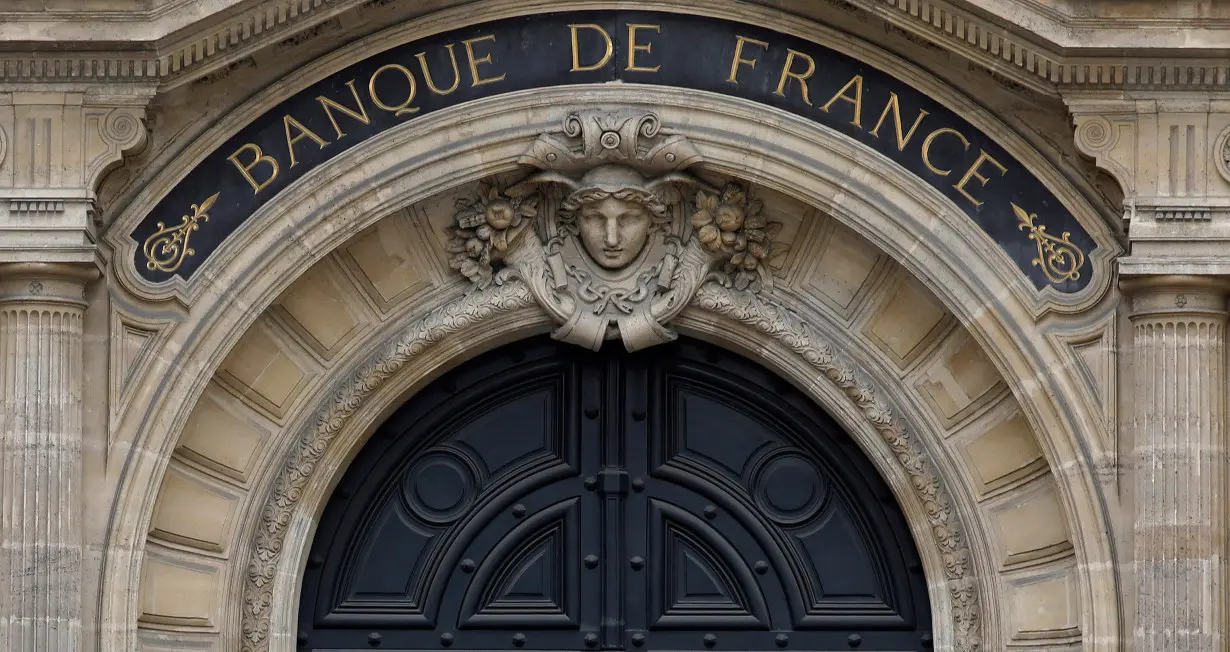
{"type": "Point", "coordinates": [545, 497]}
{"type": "Point", "coordinates": [993, 188]}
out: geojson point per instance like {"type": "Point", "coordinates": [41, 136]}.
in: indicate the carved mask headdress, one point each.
{"type": "Point", "coordinates": [613, 264]}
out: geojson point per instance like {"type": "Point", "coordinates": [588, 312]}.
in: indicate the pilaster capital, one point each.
{"type": "Point", "coordinates": [1177, 294]}
{"type": "Point", "coordinates": [1176, 188]}
{"type": "Point", "coordinates": [62, 283]}
{"type": "Point", "coordinates": [55, 146]}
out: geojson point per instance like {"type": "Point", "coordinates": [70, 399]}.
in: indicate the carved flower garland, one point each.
{"type": "Point", "coordinates": [735, 228]}
{"type": "Point", "coordinates": [484, 228]}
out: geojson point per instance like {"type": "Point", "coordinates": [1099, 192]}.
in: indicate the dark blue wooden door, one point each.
{"type": "Point", "coordinates": [544, 497]}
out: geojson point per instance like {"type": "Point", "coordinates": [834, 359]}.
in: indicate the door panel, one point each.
{"type": "Point", "coordinates": [547, 497]}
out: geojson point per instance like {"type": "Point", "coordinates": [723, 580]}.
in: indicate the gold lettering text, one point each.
{"type": "Point", "coordinates": [258, 157]}
{"type": "Point", "coordinates": [479, 81]}
{"type": "Point", "coordinates": [328, 105]}
{"type": "Point", "coordinates": [398, 109]}
{"type": "Point", "coordinates": [857, 100]}
{"type": "Point", "coordinates": [576, 49]}
{"type": "Point", "coordinates": [634, 47]}
{"type": "Point", "coordinates": [788, 73]}
{"type": "Point", "coordinates": [973, 172]}
{"type": "Point", "coordinates": [892, 105]}
{"type": "Point", "coordinates": [739, 60]}
{"type": "Point", "coordinates": [926, 148]}
{"type": "Point", "coordinates": [422, 57]}
{"type": "Point", "coordinates": [304, 132]}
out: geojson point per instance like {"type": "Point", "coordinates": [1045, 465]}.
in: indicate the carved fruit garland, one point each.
{"type": "Point", "coordinates": [736, 229]}
{"type": "Point", "coordinates": [483, 230]}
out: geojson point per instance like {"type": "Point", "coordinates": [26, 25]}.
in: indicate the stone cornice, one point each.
{"type": "Point", "coordinates": [192, 50]}
{"type": "Point", "coordinates": [1027, 56]}
{"type": "Point", "coordinates": [1041, 49]}
{"type": "Point", "coordinates": [1107, 24]}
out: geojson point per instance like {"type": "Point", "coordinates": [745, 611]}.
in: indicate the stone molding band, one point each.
{"type": "Point", "coordinates": [45, 282]}
{"type": "Point", "coordinates": [1175, 293]}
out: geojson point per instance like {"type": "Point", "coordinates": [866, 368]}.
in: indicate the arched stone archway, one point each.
{"type": "Point", "coordinates": [803, 348]}
{"type": "Point", "coordinates": [983, 382]}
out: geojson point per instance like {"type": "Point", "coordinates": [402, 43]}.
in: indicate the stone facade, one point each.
{"type": "Point", "coordinates": [1049, 413]}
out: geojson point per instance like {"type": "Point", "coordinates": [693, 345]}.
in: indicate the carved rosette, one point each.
{"type": "Point", "coordinates": [612, 254]}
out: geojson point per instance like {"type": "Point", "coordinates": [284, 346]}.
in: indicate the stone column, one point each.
{"type": "Point", "coordinates": [1179, 462]}
{"type": "Point", "coordinates": [41, 501]}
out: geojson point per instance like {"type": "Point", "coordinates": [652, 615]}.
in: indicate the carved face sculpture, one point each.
{"type": "Point", "coordinates": [614, 231]}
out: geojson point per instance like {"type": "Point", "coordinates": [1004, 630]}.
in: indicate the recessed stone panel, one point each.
{"type": "Point", "coordinates": [1046, 608]}
{"type": "Point", "coordinates": [961, 379]}
{"type": "Point", "coordinates": [191, 512]}
{"type": "Point", "coordinates": [263, 370]}
{"type": "Point", "coordinates": [790, 214]}
{"type": "Point", "coordinates": [907, 319]}
{"type": "Point", "coordinates": [1031, 526]}
{"type": "Point", "coordinates": [1005, 452]}
{"type": "Point", "coordinates": [315, 308]}
{"type": "Point", "coordinates": [219, 439]}
{"type": "Point", "coordinates": [385, 263]}
{"type": "Point", "coordinates": [844, 267]}
{"type": "Point", "coordinates": [178, 592]}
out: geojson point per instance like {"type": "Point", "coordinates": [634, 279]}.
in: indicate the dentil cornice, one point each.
{"type": "Point", "coordinates": [1044, 47]}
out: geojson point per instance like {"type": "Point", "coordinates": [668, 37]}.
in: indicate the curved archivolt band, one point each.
{"type": "Point", "coordinates": [751, 310]}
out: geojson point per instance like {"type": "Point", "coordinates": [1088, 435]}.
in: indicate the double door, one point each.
{"type": "Point", "coordinates": [545, 497]}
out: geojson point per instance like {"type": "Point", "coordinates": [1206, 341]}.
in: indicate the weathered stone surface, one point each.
{"type": "Point", "coordinates": [1062, 460]}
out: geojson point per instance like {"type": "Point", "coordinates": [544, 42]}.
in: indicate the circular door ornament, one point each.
{"type": "Point", "coordinates": [440, 487]}
{"type": "Point", "coordinates": [789, 488]}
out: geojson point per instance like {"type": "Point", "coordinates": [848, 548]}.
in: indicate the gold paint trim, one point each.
{"type": "Point", "coordinates": [1059, 258]}
{"type": "Point", "coordinates": [166, 249]}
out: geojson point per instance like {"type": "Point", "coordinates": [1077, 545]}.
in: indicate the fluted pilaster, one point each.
{"type": "Point", "coordinates": [41, 309]}
{"type": "Point", "coordinates": [1179, 462]}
